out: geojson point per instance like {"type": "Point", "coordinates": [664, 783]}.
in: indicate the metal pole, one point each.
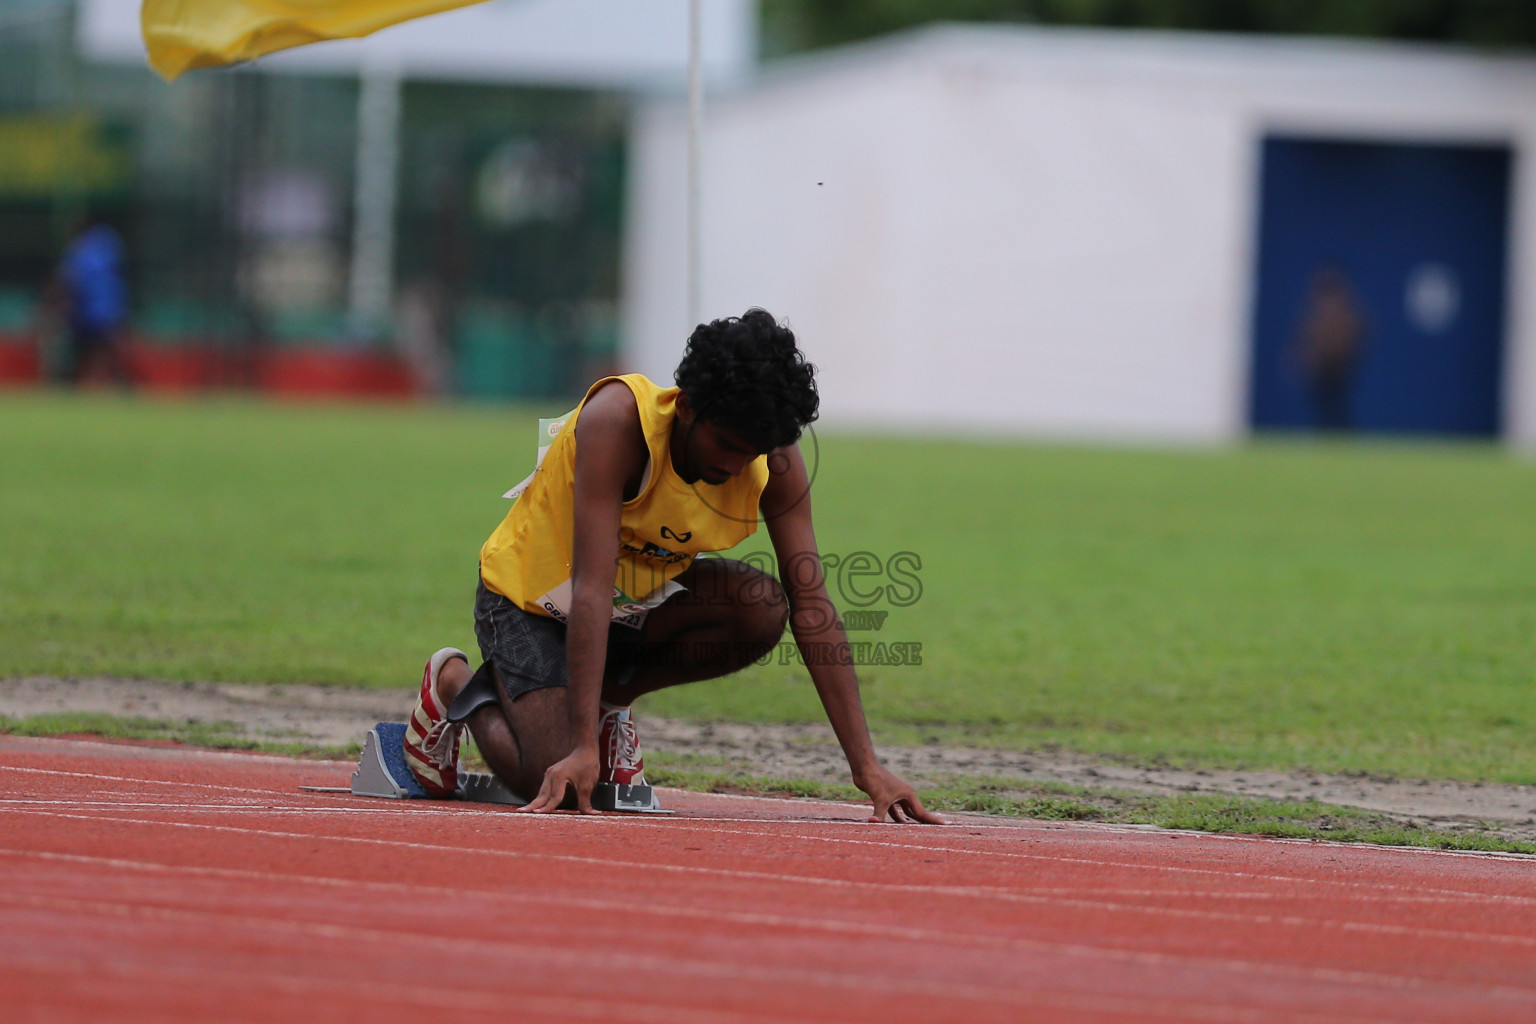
{"type": "Point", "coordinates": [373, 230]}
{"type": "Point", "coordinates": [695, 128]}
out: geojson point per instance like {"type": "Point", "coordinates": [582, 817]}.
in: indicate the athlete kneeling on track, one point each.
{"type": "Point", "coordinates": [646, 478]}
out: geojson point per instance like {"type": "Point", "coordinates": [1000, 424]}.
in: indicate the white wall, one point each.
{"type": "Point", "coordinates": [808, 228]}
{"type": "Point", "coordinates": [1033, 231]}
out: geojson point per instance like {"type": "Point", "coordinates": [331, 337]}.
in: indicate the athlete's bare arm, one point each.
{"type": "Point", "coordinates": [610, 460]}
{"type": "Point", "coordinates": [786, 506]}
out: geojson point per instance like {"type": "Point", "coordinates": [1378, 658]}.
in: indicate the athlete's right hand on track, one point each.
{"type": "Point", "coordinates": [576, 771]}
{"type": "Point", "coordinates": [895, 799]}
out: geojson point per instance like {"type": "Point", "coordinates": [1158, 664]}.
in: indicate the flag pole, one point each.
{"type": "Point", "coordinates": [695, 128]}
{"type": "Point", "coordinates": [371, 291]}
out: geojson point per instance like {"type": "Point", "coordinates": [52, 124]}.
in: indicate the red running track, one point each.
{"type": "Point", "coordinates": [163, 884]}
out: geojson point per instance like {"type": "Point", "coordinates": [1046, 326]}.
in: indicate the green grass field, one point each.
{"type": "Point", "coordinates": [1345, 607]}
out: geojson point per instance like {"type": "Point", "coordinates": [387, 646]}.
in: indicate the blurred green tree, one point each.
{"type": "Point", "coordinates": [794, 25]}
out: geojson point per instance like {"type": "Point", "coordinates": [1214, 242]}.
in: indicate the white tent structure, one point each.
{"type": "Point", "coordinates": [1040, 232]}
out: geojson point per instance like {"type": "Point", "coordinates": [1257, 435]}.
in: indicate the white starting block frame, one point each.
{"type": "Point", "coordinates": [382, 772]}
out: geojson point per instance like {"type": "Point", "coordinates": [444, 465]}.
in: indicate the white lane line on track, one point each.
{"type": "Point", "coordinates": [54, 746]}
{"type": "Point", "coordinates": [147, 782]}
{"type": "Point", "coordinates": [968, 892]}
{"type": "Point", "coordinates": [256, 804]}
{"type": "Point", "coordinates": [249, 807]}
{"type": "Point", "coordinates": [454, 807]}
{"type": "Point", "coordinates": [1372, 848]}
{"type": "Point", "coordinates": [633, 821]}
{"type": "Point", "coordinates": [1010, 830]}
{"type": "Point", "coordinates": [760, 919]}
{"type": "Point", "coordinates": [592, 1008]}
{"type": "Point", "coordinates": [969, 819]}
{"type": "Point", "coordinates": [621, 962]}
{"type": "Point", "coordinates": [416, 807]}
{"type": "Point", "coordinates": [693, 825]}
{"type": "Point", "coordinates": [390, 995]}
{"type": "Point", "coordinates": [713, 826]}
{"type": "Point", "coordinates": [1044, 891]}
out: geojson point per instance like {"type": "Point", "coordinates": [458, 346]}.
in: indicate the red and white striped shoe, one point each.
{"type": "Point", "coordinates": [431, 741]}
{"type": "Point", "coordinates": [618, 749]}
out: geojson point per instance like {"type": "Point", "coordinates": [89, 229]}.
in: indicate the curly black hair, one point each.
{"type": "Point", "coordinates": [747, 375]}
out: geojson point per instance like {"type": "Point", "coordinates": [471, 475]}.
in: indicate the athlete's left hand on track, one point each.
{"type": "Point", "coordinates": [896, 800]}
{"type": "Point", "coordinates": [577, 772]}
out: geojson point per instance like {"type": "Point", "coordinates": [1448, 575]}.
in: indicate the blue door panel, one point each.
{"type": "Point", "coordinates": [1420, 234]}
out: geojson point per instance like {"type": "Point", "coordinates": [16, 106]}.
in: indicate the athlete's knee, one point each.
{"type": "Point", "coordinates": [765, 615]}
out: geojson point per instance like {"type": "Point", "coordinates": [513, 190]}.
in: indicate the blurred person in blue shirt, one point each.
{"type": "Point", "coordinates": [95, 298]}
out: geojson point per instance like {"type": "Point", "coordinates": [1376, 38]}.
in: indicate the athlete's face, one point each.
{"type": "Point", "coordinates": [720, 454]}
{"type": "Point", "coordinates": [710, 453]}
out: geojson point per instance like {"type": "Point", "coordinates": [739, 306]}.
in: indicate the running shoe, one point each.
{"type": "Point", "coordinates": [431, 741]}
{"type": "Point", "coordinates": [618, 750]}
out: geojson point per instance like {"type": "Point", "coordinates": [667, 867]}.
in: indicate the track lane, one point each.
{"type": "Point", "coordinates": [147, 868]}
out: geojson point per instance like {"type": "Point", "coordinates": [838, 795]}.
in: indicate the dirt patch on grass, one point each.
{"type": "Point", "coordinates": [332, 717]}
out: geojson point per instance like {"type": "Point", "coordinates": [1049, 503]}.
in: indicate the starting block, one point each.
{"type": "Point", "coordinates": [382, 772]}
{"type": "Point", "coordinates": [608, 796]}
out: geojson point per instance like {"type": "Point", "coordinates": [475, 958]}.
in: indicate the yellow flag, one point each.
{"type": "Point", "coordinates": [184, 34]}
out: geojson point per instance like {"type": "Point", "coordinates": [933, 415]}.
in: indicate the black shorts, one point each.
{"type": "Point", "coordinates": [528, 650]}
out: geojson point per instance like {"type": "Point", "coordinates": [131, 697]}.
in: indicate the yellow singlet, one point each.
{"type": "Point", "coordinates": [528, 558]}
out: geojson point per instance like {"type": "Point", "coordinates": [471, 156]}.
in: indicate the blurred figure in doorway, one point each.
{"type": "Point", "coordinates": [1332, 336]}
{"type": "Point", "coordinates": [94, 296]}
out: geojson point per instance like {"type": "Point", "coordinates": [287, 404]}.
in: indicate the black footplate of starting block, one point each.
{"type": "Point", "coordinates": [382, 772]}
{"type": "Point", "coordinates": [610, 796]}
